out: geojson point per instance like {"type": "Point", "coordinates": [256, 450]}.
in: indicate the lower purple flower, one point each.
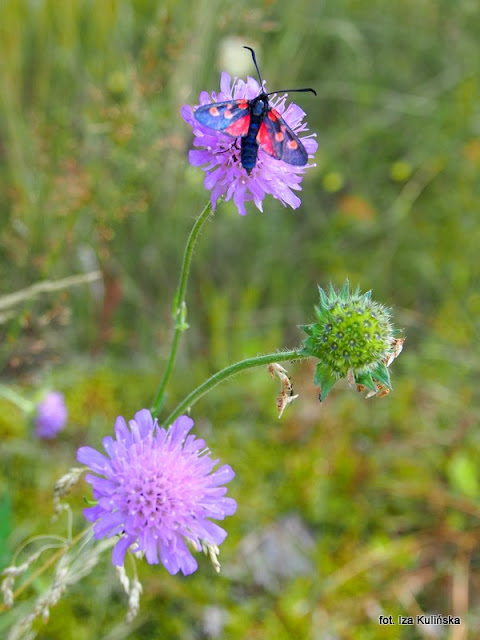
{"type": "Point", "coordinates": [50, 415]}
{"type": "Point", "coordinates": [158, 489]}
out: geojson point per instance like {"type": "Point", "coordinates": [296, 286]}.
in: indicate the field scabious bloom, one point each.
{"type": "Point", "coordinates": [158, 490]}
{"type": "Point", "coordinates": [50, 415]}
{"type": "Point", "coordinates": [225, 175]}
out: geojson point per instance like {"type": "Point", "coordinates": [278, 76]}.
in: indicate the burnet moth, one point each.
{"type": "Point", "coordinates": [257, 124]}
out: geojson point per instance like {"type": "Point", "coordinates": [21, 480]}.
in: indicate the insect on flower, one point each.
{"type": "Point", "coordinates": [258, 124]}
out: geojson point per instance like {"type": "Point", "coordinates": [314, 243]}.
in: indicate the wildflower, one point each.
{"type": "Point", "coordinates": [225, 175]}
{"type": "Point", "coordinates": [158, 492]}
{"type": "Point", "coordinates": [50, 415]}
{"type": "Point", "coordinates": [353, 338]}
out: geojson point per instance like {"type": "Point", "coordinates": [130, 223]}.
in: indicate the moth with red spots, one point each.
{"type": "Point", "coordinates": [257, 124]}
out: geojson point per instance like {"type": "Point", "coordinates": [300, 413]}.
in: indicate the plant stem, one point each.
{"type": "Point", "coordinates": [222, 375]}
{"type": "Point", "coordinates": [47, 286]}
{"type": "Point", "coordinates": [15, 398]}
{"type": "Point", "coordinates": [179, 311]}
{"type": "Point", "coordinates": [48, 563]}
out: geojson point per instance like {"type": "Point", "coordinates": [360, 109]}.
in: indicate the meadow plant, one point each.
{"type": "Point", "coordinates": [157, 490]}
{"type": "Point", "coordinates": [50, 415]}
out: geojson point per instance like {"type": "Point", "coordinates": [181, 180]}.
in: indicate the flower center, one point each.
{"type": "Point", "coordinates": [154, 492]}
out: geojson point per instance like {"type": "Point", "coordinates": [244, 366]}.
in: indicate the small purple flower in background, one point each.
{"type": "Point", "coordinates": [50, 415]}
{"type": "Point", "coordinates": [225, 174]}
{"type": "Point", "coordinates": [158, 490]}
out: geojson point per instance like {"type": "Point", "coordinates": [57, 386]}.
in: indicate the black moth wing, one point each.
{"type": "Point", "coordinates": [279, 141]}
{"type": "Point", "coordinates": [232, 117]}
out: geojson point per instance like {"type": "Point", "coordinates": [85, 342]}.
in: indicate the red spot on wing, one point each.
{"type": "Point", "coordinates": [264, 139]}
{"type": "Point", "coordinates": [213, 111]}
{"type": "Point", "coordinates": [292, 144]}
{"type": "Point", "coordinates": [239, 127]}
{"type": "Point", "coordinates": [273, 115]}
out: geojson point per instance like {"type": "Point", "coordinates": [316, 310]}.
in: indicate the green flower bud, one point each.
{"type": "Point", "coordinates": [352, 338]}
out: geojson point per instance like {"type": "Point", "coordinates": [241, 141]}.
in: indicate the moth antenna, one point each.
{"type": "Point", "coordinates": [255, 63]}
{"type": "Point", "coordinates": [291, 91]}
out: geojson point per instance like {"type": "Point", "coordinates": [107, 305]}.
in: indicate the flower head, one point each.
{"type": "Point", "coordinates": [225, 175]}
{"type": "Point", "coordinates": [353, 338]}
{"type": "Point", "coordinates": [158, 491]}
{"type": "Point", "coordinates": [50, 415]}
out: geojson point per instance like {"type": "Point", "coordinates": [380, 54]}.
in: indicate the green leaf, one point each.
{"type": "Point", "coordinates": [325, 379]}
{"type": "Point", "coordinates": [307, 328]}
{"type": "Point", "coordinates": [323, 297]}
{"type": "Point", "coordinates": [345, 290]}
{"type": "Point", "coordinates": [182, 326]}
{"type": "Point", "coordinates": [366, 380]}
{"type": "Point", "coordinates": [367, 296]}
{"type": "Point", "coordinates": [5, 525]}
{"type": "Point", "coordinates": [382, 374]}
{"type": "Point", "coordinates": [320, 312]}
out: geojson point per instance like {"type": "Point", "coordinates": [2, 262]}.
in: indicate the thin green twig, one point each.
{"type": "Point", "coordinates": [229, 371]}
{"type": "Point", "coordinates": [179, 311]}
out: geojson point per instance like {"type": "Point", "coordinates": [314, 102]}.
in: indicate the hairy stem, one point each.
{"type": "Point", "coordinates": [179, 310]}
{"type": "Point", "coordinates": [229, 371]}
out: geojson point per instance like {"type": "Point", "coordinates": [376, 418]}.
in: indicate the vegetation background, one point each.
{"type": "Point", "coordinates": [349, 509]}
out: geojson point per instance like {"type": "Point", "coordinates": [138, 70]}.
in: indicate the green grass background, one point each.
{"type": "Point", "coordinates": [372, 507]}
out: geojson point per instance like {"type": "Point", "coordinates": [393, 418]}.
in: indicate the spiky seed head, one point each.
{"type": "Point", "coordinates": [352, 337]}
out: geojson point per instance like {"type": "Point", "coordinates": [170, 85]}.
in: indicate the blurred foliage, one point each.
{"type": "Point", "coordinates": [377, 501]}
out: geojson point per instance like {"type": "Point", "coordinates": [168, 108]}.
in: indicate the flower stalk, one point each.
{"type": "Point", "coordinates": [228, 372]}
{"type": "Point", "coordinates": [179, 310]}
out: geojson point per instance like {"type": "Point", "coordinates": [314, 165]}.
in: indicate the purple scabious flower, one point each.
{"type": "Point", "coordinates": [225, 175]}
{"type": "Point", "coordinates": [158, 489]}
{"type": "Point", "coordinates": [50, 415]}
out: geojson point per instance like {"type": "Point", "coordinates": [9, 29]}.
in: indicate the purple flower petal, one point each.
{"type": "Point", "coordinates": [102, 485]}
{"type": "Point", "coordinates": [92, 514]}
{"type": "Point", "coordinates": [144, 421]}
{"type": "Point", "coordinates": [186, 113]}
{"type": "Point", "coordinates": [229, 506]}
{"type": "Point", "coordinates": [151, 549]}
{"type": "Point", "coordinates": [197, 158]}
{"type": "Point", "coordinates": [221, 476]}
{"type": "Point", "coordinates": [110, 445]}
{"type": "Point", "coordinates": [179, 430]}
{"type": "Point", "coordinates": [178, 558]}
{"type": "Point", "coordinates": [108, 522]}
{"type": "Point", "coordinates": [93, 459]}
{"type": "Point", "coordinates": [120, 549]}
{"type": "Point", "coordinates": [225, 83]}
{"type": "Point", "coordinates": [121, 429]}
{"type": "Point", "coordinates": [215, 533]}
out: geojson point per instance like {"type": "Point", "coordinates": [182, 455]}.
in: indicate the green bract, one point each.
{"type": "Point", "coordinates": [352, 338]}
